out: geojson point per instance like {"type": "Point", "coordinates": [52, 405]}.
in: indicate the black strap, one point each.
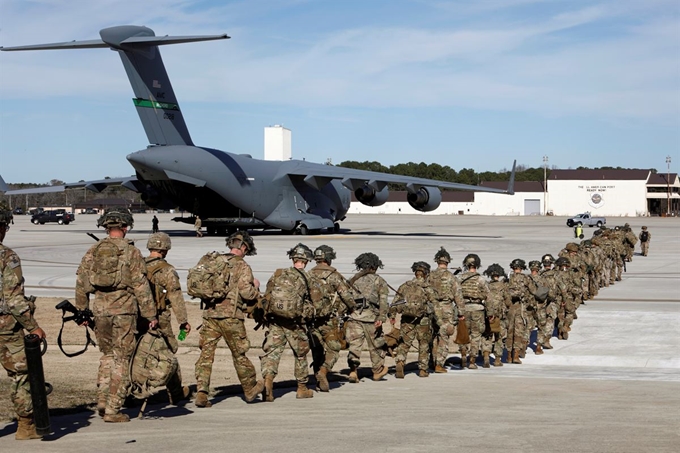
{"type": "Point", "coordinates": [88, 339]}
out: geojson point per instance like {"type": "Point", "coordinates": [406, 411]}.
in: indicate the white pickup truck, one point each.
{"type": "Point", "coordinates": [586, 219]}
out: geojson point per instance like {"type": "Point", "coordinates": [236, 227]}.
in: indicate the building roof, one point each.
{"type": "Point", "coordinates": [596, 175]}
{"type": "Point", "coordinates": [660, 178]}
{"type": "Point", "coordinates": [520, 186]}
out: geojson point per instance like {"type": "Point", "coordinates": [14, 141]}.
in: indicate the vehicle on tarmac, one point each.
{"type": "Point", "coordinates": [59, 216]}
{"type": "Point", "coordinates": [586, 219]}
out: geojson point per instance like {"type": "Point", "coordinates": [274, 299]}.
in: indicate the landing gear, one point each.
{"type": "Point", "coordinates": [336, 227]}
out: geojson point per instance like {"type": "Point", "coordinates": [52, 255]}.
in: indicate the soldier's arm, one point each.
{"type": "Point", "coordinates": [13, 292]}
{"type": "Point", "coordinates": [174, 288]}
{"type": "Point", "coordinates": [246, 285]}
{"type": "Point", "coordinates": [344, 291]}
{"type": "Point", "coordinates": [140, 285]}
{"type": "Point", "coordinates": [458, 295]}
{"type": "Point", "coordinates": [383, 291]}
{"type": "Point", "coordinates": [483, 288]}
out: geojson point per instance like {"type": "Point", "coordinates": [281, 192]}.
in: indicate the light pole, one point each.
{"type": "Point", "coordinates": [668, 185]}
{"type": "Point", "coordinates": [545, 185]}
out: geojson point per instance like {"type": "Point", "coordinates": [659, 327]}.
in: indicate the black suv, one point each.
{"type": "Point", "coordinates": [59, 216]}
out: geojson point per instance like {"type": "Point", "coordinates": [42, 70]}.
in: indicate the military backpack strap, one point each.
{"type": "Point", "coordinates": [159, 295]}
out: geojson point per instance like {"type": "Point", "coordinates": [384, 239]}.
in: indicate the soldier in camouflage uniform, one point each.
{"type": "Point", "coordinates": [497, 308]}
{"type": "Point", "coordinates": [167, 293]}
{"type": "Point", "coordinates": [446, 291]}
{"type": "Point", "coordinates": [617, 238]}
{"type": "Point", "coordinates": [521, 289]}
{"type": "Point", "coordinates": [645, 238]}
{"type": "Point", "coordinates": [549, 277]}
{"type": "Point", "coordinates": [539, 313]}
{"type": "Point", "coordinates": [413, 301]}
{"type": "Point", "coordinates": [115, 272]}
{"type": "Point", "coordinates": [629, 241]}
{"type": "Point", "coordinates": [225, 319]}
{"type": "Point", "coordinates": [569, 281]}
{"type": "Point", "coordinates": [365, 322]}
{"type": "Point", "coordinates": [16, 318]}
{"type": "Point", "coordinates": [295, 284]}
{"type": "Point", "coordinates": [326, 327]}
{"type": "Point", "coordinates": [475, 294]}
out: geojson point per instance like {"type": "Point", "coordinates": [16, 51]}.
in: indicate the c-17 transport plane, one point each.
{"type": "Point", "coordinates": [229, 191]}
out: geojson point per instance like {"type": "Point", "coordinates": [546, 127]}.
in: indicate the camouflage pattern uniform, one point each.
{"type": "Point", "coordinates": [539, 312]}
{"type": "Point", "coordinates": [629, 241]}
{"type": "Point", "coordinates": [415, 324]}
{"type": "Point", "coordinates": [521, 289]}
{"type": "Point", "coordinates": [549, 277]}
{"type": "Point", "coordinates": [497, 306]}
{"type": "Point", "coordinates": [115, 311]}
{"type": "Point", "coordinates": [475, 294]}
{"type": "Point", "coordinates": [446, 291]}
{"type": "Point", "coordinates": [644, 245]}
{"type": "Point", "coordinates": [360, 327]}
{"type": "Point", "coordinates": [225, 319]}
{"type": "Point", "coordinates": [569, 283]}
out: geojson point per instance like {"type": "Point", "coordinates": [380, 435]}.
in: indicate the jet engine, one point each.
{"type": "Point", "coordinates": [425, 199]}
{"type": "Point", "coordinates": [370, 197]}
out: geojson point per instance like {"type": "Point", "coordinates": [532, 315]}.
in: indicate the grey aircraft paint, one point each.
{"type": "Point", "coordinates": [228, 190]}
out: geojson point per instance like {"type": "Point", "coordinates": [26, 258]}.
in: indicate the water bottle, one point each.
{"type": "Point", "coordinates": [182, 335]}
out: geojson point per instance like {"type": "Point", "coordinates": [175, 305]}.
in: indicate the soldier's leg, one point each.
{"type": "Point", "coordinates": [234, 332]}
{"type": "Point", "coordinates": [123, 338]}
{"type": "Point", "coordinates": [299, 343]}
{"type": "Point", "coordinates": [408, 335]}
{"type": "Point", "coordinates": [475, 323]}
{"type": "Point", "coordinates": [13, 361]}
{"type": "Point", "coordinates": [377, 353]}
{"type": "Point", "coordinates": [443, 337]}
{"type": "Point", "coordinates": [354, 332]}
{"type": "Point", "coordinates": [103, 333]}
{"type": "Point", "coordinates": [331, 342]}
{"type": "Point", "coordinates": [272, 349]}
{"type": "Point", "coordinates": [209, 335]}
{"type": "Point", "coordinates": [424, 336]}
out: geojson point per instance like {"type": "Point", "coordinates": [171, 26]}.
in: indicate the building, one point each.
{"type": "Point", "coordinates": [277, 143]}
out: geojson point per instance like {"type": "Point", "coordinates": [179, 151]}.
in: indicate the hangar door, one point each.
{"type": "Point", "coordinates": [532, 207]}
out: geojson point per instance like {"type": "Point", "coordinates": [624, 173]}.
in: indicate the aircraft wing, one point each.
{"type": "Point", "coordinates": [129, 182]}
{"type": "Point", "coordinates": [318, 176]}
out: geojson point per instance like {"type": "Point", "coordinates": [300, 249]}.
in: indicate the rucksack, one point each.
{"type": "Point", "coordinates": [209, 279]}
{"type": "Point", "coordinates": [282, 297]}
{"type": "Point", "coordinates": [322, 294]}
{"type": "Point", "coordinates": [415, 300]}
{"type": "Point", "coordinates": [152, 365]}
{"type": "Point", "coordinates": [644, 236]}
{"type": "Point", "coordinates": [106, 268]}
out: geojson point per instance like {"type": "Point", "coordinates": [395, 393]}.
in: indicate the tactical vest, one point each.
{"type": "Point", "coordinates": [469, 286]}
{"type": "Point", "coordinates": [443, 283]}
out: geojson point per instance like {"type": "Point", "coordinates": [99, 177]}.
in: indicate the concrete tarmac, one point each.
{"type": "Point", "coordinates": [614, 386]}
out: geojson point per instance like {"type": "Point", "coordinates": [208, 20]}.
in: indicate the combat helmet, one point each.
{"type": "Point", "coordinates": [534, 264]}
{"type": "Point", "coordinates": [547, 258]}
{"type": "Point", "coordinates": [116, 217]}
{"type": "Point", "coordinates": [563, 261]}
{"type": "Point", "coordinates": [368, 260]}
{"type": "Point", "coordinates": [159, 241]}
{"type": "Point", "coordinates": [587, 243]}
{"type": "Point", "coordinates": [239, 238]}
{"type": "Point", "coordinates": [5, 214]}
{"type": "Point", "coordinates": [472, 260]}
{"type": "Point", "coordinates": [421, 266]}
{"type": "Point", "coordinates": [518, 264]}
{"type": "Point", "coordinates": [571, 247]}
{"type": "Point", "coordinates": [300, 252]}
{"type": "Point", "coordinates": [495, 270]}
{"type": "Point", "coordinates": [442, 256]}
{"type": "Point", "coordinates": [324, 253]}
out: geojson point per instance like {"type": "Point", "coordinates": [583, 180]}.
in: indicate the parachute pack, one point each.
{"type": "Point", "coordinates": [106, 269]}
{"type": "Point", "coordinates": [209, 279]}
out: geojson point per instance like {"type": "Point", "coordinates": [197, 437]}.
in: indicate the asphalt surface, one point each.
{"type": "Point", "coordinates": [614, 386]}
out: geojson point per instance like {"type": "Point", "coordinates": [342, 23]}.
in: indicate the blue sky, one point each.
{"type": "Point", "coordinates": [468, 84]}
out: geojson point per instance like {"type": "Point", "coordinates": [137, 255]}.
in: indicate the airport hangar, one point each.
{"type": "Point", "coordinates": [613, 193]}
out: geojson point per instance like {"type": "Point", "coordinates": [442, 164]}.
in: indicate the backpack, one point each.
{"type": "Point", "coordinates": [282, 297]}
{"type": "Point", "coordinates": [322, 295]}
{"type": "Point", "coordinates": [209, 279]}
{"type": "Point", "coordinates": [106, 268]}
{"type": "Point", "coordinates": [415, 300]}
{"type": "Point", "coordinates": [644, 236]}
{"type": "Point", "coordinates": [159, 293]}
{"type": "Point", "coordinates": [152, 365]}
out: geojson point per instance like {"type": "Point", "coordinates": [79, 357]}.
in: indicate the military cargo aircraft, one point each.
{"type": "Point", "coordinates": [229, 191]}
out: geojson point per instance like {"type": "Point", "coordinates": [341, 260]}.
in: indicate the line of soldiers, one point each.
{"type": "Point", "coordinates": [317, 310]}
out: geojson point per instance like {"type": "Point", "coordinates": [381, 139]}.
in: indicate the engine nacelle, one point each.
{"type": "Point", "coordinates": [425, 199]}
{"type": "Point", "coordinates": [370, 197]}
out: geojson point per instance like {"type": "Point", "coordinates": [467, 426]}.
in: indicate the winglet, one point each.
{"type": "Point", "coordinates": [3, 186]}
{"type": "Point", "coordinates": [511, 183]}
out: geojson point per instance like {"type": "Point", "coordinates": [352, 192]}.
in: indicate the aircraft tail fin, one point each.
{"type": "Point", "coordinates": [511, 182]}
{"type": "Point", "coordinates": [154, 97]}
{"type": "Point", "coordinates": [3, 186]}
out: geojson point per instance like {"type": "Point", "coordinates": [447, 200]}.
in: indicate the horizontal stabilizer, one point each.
{"type": "Point", "coordinates": [135, 41]}
{"type": "Point", "coordinates": [90, 44]}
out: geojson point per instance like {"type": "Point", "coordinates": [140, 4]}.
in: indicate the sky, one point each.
{"type": "Point", "coordinates": [463, 83]}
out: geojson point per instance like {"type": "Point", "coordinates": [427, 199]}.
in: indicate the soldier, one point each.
{"type": "Point", "coordinates": [629, 242]}
{"type": "Point", "coordinates": [538, 312]}
{"type": "Point", "coordinates": [545, 332]}
{"type": "Point", "coordinates": [446, 290]}
{"type": "Point", "coordinates": [521, 289]}
{"type": "Point", "coordinates": [326, 328]}
{"type": "Point", "coordinates": [167, 293]}
{"type": "Point", "coordinates": [16, 318]}
{"type": "Point", "coordinates": [287, 306]}
{"type": "Point", "coordinates": [154, 224]}
{"type": "Point", "coordinates": [365, 322]}
{"type": "Point", "coordinates": [497, 308]}
{"type": "Point", "coordinates": [223, 318]}
{"type": "Point", "coordinates": [412, 300]}
{"type": "Point", "coordinates": [475, 294]}
{"type": "Point", "coordinates": [645, 238]}
{"type": "Point", "coordinates": [569, 282]}
{"type": "Point", "coordinates": [114, 271]}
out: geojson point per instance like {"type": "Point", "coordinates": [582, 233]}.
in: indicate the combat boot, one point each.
{"type": "Point", "coordinates": [522, 353]}
{"type": "Point", "coordinates": [539, 349]}
{"type": "Point", "coordinates": [547, 345]}
{"type": "Point", "coordinates": [565, 335]}
{"type": "Point", "coordinates": [181, 395]}
{"type": "Point", "coordinates": [472, 363]}
{"type": "Point", "coordinates": [116, 418]}
{"type": "Point", "coordinates": [353, 376]}
{"type": "Point", "coordinates": [463, 361]}
{"type": "Point", "coordinates": [101, 405]}
{"type": "Point", "coordinates": [515, 356]}
{"type": "Point", "coordinates": [440, 369]}
{"type": "Point", "coordinates": [251, 393]}
{"type": "Point", "coordinates": [497, 361]}
{"type": "Point", "coordinates": [423, 373]}
{"type": "Point", "coordinates": [26, 429]}
{"type": "Point", "coordinates": [322, 380]}
{"type": "Point", "coordinates": [399, 373]}
{"type": "Point", "coordinates": [269, 388]}
{"type": "Point", "coordinates": [379, 375]}
{"type": "Point", "coordinates": [303, 391]}
{"type": "Point", "coordinates": [202, 400]}
{"type": "Point", "coordinates": [487, 362]}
